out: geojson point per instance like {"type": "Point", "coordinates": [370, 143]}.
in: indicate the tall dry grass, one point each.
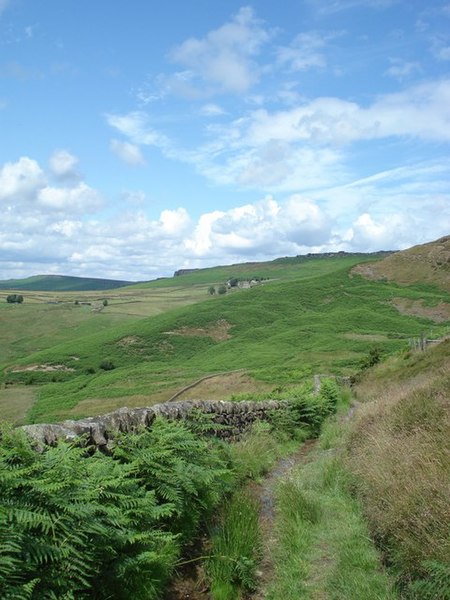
{"type": "Point", "coordinates": [399, 454]}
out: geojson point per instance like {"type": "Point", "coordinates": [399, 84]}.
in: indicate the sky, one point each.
{"type": "Point", "coordinates": [141, 137]}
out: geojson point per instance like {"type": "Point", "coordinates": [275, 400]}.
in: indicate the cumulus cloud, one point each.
{"type": "Point", "coordinates": [224, 60]}
{"type": "Point", "coordinates": [63, 165]}
{"type": "Point", "coordinates": [79, 199]}
{"type": "Point", "coordinates": [47, 228]}
{"type": "Point", "coordinates": [21, 180]}
{"type": "Point", "coordinates": [265, 228]}
{"type": "Point", "coordinates": [129, 153]}
{"type": "Point", "coordinates": [369, 235]}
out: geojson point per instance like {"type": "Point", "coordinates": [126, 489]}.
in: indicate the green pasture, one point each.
{"type": "Point", "coordinates": [280, 332]}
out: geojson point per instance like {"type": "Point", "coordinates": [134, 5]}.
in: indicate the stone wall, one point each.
{"type": "Point", "coordinates": [99, 431]}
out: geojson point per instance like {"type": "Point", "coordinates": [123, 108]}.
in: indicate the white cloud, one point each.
{"type": "Point", "coordinates": [79, 199]}
{"type": "Point", "coordinates": [333, 6]}
{"type": "Point", "coordinates": [212, 110]}
{"type": "Point", "coordinates": [129, 153]}
{"type": "Point", "coordinates": [305, 52]}
{"type": "Point", "coordinates": [134, 197]}
{"type": "Point", "coordinates": [401, 69]}
{"type": "Point", "coordinates": [63, 165]}
{"type": "Point", "coordinates": [389, 232]}
{"type": "Point", "coordinates": [174, 222]}
{"type": "Point", "coordinates": [303, 146]}
{"type": "Point", "coordinates": [21, 180]}
{"type": "Point", "coordinates": [135, 125]}
{"type": "Point", "coordinates": [224, 60]}
{"type": "Point", "coordinates": [66, 228]}
{"type": "Point", "coordinates": [264, 228]}
{"type": "Point", "coordinates": [421, 111]}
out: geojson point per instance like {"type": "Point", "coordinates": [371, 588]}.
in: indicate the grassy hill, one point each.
{"type": "Point", "coordinates": [427, 263]}
{"type": "Point", "coordinates": [61, 283]}
{"type": "Point", "coordinates": [280, 332]}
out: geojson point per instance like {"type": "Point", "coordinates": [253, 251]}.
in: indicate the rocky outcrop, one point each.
{"type": "Point", "coordinates": [232, 419]}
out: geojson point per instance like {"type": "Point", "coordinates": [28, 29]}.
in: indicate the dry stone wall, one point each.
{"type": "Point", "coordinates": [237, 417]}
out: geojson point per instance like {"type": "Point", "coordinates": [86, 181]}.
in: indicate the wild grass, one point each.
{"type": "Point", "coordinates": [235, 548]}
{"type": "Point", "coordinates": [398, 453]}
{"type": "Point", "coordinates": [323, 548]}
{"type": "Point", "coordinates": [15, 402]}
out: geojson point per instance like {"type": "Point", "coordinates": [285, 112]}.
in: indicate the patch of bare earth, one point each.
{"type": "Point", "coordinates": [218, 331]}
{"type": "Point", "coordinates": [416, 308]}
{"type": "Point", "coordinates": [41, 368]}
{"type": "Point", "coordinates": [130, 340]}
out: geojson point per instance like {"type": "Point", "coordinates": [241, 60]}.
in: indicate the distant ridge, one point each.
{"type": "Point", "coordinates": [62, 283]}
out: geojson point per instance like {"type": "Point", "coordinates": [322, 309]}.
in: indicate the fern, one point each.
{"type": "Point", "coordinates": [434, 585]}
{"type": "Point", "coordinates": [83, 526]}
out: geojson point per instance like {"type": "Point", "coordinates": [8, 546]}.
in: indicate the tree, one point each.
{"type": "Point", "coordinates": [222, 289]}
{"type": "Point", "coordinates": [14, 299]}
{"type": "Point", "coordinates": [211, 290]}
{"type": "Point", "coordinates": [105, 302]}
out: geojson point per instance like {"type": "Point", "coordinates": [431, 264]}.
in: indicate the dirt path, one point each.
{"type": "Point", "coordinates": [191, 583]}
{"type": "Point", "coordinates": [266, 493]}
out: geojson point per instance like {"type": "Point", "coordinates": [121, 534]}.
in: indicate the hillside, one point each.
{"type": "Point", "coordinates": [426, 263]}
{"type": "Point", "coordinates": [61, 283]}
{"type": "Point", "coordinates": [280, 333]}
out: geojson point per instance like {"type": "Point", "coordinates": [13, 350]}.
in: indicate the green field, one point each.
{"type": "Point", "coordinates": [310, 316]}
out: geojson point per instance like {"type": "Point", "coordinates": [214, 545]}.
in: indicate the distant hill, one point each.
{"type": "Point", "coordinates": [427, 263]}
{"type": "Point", "coordinates": [61, 283]}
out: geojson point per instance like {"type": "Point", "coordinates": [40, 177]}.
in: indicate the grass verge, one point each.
{"type": "Point", "coordinates": [398, 455]}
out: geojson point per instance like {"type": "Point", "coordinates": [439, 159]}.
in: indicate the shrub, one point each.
{"type": "Point", "coordinates": [14, 299]}
{"type": "Point", "coordinates": [222, 289]}
{"type": "Point", "coordinates": [107, 365]}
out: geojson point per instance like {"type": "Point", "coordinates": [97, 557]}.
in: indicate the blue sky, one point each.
{"type": "Point", "coordinates": [138, 137]}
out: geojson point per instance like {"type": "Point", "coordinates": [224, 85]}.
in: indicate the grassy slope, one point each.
{"type": "Point", "coordinates": [398, 453]}
{"type": "Point", "coordinates": [280, 331]}
{"type": "Point", "coordinates": [61, 283]}
{"type": "Point", "coordinates": [427, 263]}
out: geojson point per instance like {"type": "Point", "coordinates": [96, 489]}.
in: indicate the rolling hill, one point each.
{"type": "Point", "coordinates": [61, 283]}
{"type": "Point", "coordinates": [320, 318]}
